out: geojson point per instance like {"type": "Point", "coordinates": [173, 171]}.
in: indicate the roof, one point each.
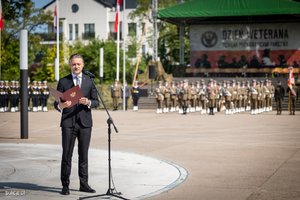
{"type": "Point", "coordinates": [203, 11]}
{"type": "Point", "coordinates": [130, 4]}
{"type": "Point", "coordinates": [106, 3]}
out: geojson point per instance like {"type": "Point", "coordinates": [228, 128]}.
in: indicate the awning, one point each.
{"type": "Point", "coordinates": [231, 11]}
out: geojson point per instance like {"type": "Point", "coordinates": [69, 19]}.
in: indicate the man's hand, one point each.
{"type": "Point", "coordinates": [65, 104]}
{"type": "Point", "coordinates": [84, 101]}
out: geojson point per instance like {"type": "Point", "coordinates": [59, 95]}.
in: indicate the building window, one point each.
{"type": "Point", "coordinates": [89, 31]}
{"type": "Point", "coordinates": [70, 31]}
{"type": "Point", "coordinates": [112, 34]}
{"type": "Point", "coordinates": [132, 29]}
{"type": "Point", "coordinates": [76, 32]}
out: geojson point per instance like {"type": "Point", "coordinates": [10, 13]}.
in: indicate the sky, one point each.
{"type": "Point", "coordinates": [40, 3]}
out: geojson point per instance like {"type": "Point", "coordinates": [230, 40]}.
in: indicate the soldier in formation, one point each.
{"type": "Point", "coordinates": [230, 97]}
{"type": "Point", "coordinates": [10, 96]}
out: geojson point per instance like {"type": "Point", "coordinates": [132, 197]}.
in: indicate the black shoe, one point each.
{"type": "Point", "coordinates": [87, 188]}
{"type": "Point", "coordinates": [65, 190]}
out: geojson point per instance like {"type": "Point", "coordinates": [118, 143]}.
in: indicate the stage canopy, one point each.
{"type": "Point", "coordinates": [231, 11]}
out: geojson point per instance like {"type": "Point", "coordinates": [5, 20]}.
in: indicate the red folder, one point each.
{"type": "Point", "coordinates": [73, 94]}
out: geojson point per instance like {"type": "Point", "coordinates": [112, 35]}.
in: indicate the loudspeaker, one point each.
{"type": "Point", "coordinates": [152, 72]}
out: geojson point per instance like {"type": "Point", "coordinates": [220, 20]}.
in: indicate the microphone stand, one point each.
{"type": "Point", "coordinates": [110, 191]}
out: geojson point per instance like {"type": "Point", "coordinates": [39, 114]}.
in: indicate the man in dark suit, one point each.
{"type": "Point", "coordinates": [76, 122]}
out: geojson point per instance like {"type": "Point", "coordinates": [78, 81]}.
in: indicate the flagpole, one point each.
{"type": "Point", "coordinates": [57, 42]}
{"type": "Point", "coordinates": [0, 56]}
{"type": "Point", "coordinates": [124, 56]}
{"type": "Point", "coordinates": [118, 51]}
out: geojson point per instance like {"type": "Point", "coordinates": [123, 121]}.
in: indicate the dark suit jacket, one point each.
{"type": "Point", "coordinates": [69, 115]}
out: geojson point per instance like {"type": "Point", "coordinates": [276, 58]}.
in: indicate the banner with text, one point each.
{"type": "Point", "coordinates": [245, 45]}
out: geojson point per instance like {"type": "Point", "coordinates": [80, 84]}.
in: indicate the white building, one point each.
{"type": "Point", "coordinates": [95, 19]}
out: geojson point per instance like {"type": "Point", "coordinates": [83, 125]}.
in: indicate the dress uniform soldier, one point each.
{"type": "Point", "coordinates": [203, 97]}
{"type": "Point", "coordinates": [217, 96]}
{"type": "Point", "coordinates": [185, 94]}
{"type": "Point", "coordinates": [6, 96]}
{"type": "Point", "coordinates": [211, 93]}
{"type": "Point", "coordinates": [159, 95]}
{"type": "Point", "coordinates": [228, 98]}
{"type": "Point", "coordinates": [239, 97]}
{"type": "Point", "coordinates": [198, 87]}
{"type": "Point", "coordinates": [13, 96]}
{"type": "Point", "coordinates": [272, 91]}
{"type": "Point", "coordinates": [279, 95]}
{"type": "Point", "coordinates": [29, 94]}
{"type": "Point", "coordinates": [115, 94]}
{"type": "Point", "coordinates": [234, 97]}
{"type": "Point", "coordinates": [35, 94]}
{"type": "Point", "coordinates": [180, 101]}
{"type": "Point", "coordinates": [193, 97]}
{"type": "Point", "coordinates": [135, 93]}
{"type": "Point", "coordinates": [244, 96]}
{"type": "Point", "coordinates": [174, 97]}
{"type": "Point", "coordinates": [267, 94]}
{"type": "Point", "coordinates": [18, 89]}
{"type": "Point", "coordinates": [40, 96]}
{"type": "Point", "coordinates": [167, 97]}
{"type": "Point", "coordinates": [253, 90]}
{"type": "Point", "coordinates": [2, 96]}
{"type": "Point", "coordinates": [44, 96]}
{"type": "Point", "coordinates": [293, 97]}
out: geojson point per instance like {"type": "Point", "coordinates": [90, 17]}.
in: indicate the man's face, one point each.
{"type": "Point", "coordinates": [76, 65]}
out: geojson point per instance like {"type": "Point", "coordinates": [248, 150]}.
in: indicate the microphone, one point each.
{"type": "Point", "coordinates": [90, 74]}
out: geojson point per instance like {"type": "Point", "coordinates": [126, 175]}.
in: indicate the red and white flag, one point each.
{"type": "Point", "coordinates": [119, 2]}
{"type": "Point", "coordinates": [291, 80]}
{"type": "Point", "coordinates": [55, 18]}
{"type": "Point", "coordinates": [1, 17]}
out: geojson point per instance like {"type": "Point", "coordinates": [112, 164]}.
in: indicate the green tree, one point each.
{"type": "Point", "coordinates": [90, 53]}
{"type": "Point", "coordinates": [168, 41]}
{"type": "Point", "coordinates": [19, 15]}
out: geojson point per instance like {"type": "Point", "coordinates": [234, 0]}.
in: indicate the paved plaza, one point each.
{"type": "Point", "coordinates": [159, 156]}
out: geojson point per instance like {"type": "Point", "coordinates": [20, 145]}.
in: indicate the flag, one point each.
{"type": "Point", "coordinates": [1, 18]}
{"type": "Point", "coordinates": [119, 2]}
{"type": "Point", "coordinates": [291, 80]}
{"type": "Point", "coordinates": [55, 18]}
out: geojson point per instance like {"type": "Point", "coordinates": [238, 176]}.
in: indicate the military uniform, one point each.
{"type": "Point", "coordinates": [44, 96]}
{"type": "Point", "coordinates": [254, 93]}
{"type": "Point", "coordinates": [279, 95]}
{"type": "Point", "coordinates": [293, 97]}
{"type": "Point", "coordinates": [185, 95]}
{"type": "Point", "coordinates": [6, 96]}
{"type": "Point", "coordinates": [174, 97]}
{"type": "Point", "coordinates": [203, 97]}
{"type": "Point", "coordinates": [211, 93]}
{"type": "Point", "coordinates": [193, 98]}
{"type": "Point", "coordinates": [159, 95]}
{"type": "Point", "coordinates": [167, 97]}
{"type": "Point", "coordinates": [13, 95]}
{"type": "Point", "coordinates": [35, 96]}
{"type": "Point", "coordinates": [2, 96]}
{"type": "Point", "coordinates": [135, 93]}
{"type": "Point", "coordinates": [228, 98]}
{"type": "Point", "coordinates": [116, 94]}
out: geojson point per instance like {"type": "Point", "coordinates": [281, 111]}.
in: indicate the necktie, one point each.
{"type": "Point", "coordinates": [77, 80]}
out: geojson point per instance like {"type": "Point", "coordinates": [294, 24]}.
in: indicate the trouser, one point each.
{"type": "Point", "coordinates": [253, 104]}
{"type": "Point", "coordinates": [135, 101]}
{"type": "Point", "coordinates": [69, 136]}
{"type": "Point", "coordinates": [292, 103]}
{"type": "Point", "coordinates": [279, 106]}
{"type": "Point", "coordinates": [115, 103]}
